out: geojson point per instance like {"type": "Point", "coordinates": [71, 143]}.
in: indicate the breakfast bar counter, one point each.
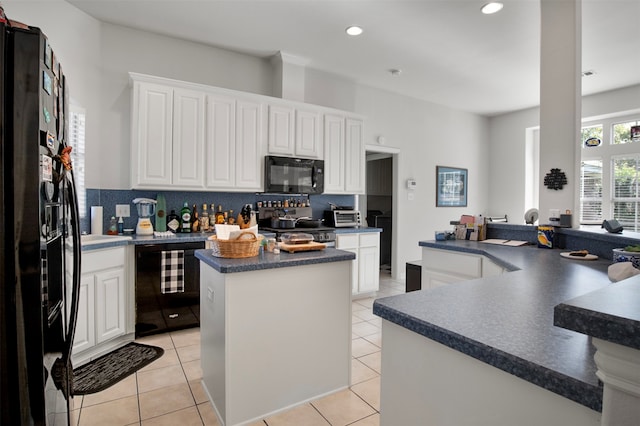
{"type": "Point", "coordinates": [275, 330]}
{"type": "Point", "coordinates": [486, 351]}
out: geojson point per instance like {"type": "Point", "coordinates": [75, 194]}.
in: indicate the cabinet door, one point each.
{"type": "Point", "coordinates": [490, 269]}
{"type": "Point", "coordinates": [334, 161]}
{"type": "Point", "coordinates": [281, 130]}
{"type": "Point", "coordinates": [85, 337]}
{"type": "Point", "coordinates": [249, 137]}
{"type": "Point", "coordinates": [110, 304]}
{"type": "Point", "coordinates": [349, 242]}
{"type": "Point", "coordinates": [188, 138]}
{"type": "Point", "coordinates": [463, 265]}
{"type": "Point", "coordinates": [221, 141]}
{"type": "Point", "coordinates": [369, 264]}
{"type": "Point", "coordinates": [432, 279]}
{"type": "Point", "coordinates": [308, 142]}
{"type": "Point", "coordinates": [355, 271]}
{"type": "Point", "coordinates": [151, 134]}
{"type": "Point", "coordinates": [354, 157]}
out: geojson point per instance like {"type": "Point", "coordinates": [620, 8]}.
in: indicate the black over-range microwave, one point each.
{"type": "Point", "coordinates": [287, 175]}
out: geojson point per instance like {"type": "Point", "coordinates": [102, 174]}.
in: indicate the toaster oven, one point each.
{"type": "Point", "coordinates": [342, 218]}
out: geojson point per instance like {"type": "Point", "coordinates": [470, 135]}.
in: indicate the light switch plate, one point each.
{"type": "Point", "coordinates": [123, 210]}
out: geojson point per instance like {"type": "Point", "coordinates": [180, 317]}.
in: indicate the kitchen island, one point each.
{"type": "Point", "coordinates": [275, 330]}
{"type": "Point", "coordinates": [486, 351]}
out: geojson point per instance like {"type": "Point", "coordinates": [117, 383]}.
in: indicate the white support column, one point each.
{"type": "Point", "coordinates": [289, 76]}
{"type": "Point", "coordinates": [619, 370]}
{"type": "Point", "coordinates": [560, 100]}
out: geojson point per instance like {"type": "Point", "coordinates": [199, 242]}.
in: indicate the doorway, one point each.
{"type": "Point", "coordinates": [378, 204]}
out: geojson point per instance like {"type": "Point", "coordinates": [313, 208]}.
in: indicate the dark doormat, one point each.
{"type": "Point", "coordinates": [109, 369]}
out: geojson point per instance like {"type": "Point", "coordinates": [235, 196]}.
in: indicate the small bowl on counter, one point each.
{"type": "Point", "coordinates": [623, 255]}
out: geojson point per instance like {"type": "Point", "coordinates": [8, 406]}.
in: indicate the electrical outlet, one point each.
{"type": "Point", "coordinates": [122, 210]}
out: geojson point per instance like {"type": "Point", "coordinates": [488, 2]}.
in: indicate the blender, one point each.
{"type": "Point", "coordinates": [146, 208]}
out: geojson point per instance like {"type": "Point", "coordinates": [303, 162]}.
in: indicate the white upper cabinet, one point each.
{"type": "Point", "coordinates": [188, 138]}
{"type": "Point", "coordinates": [221, 141]}
{"type": "Point", "coordinates": [167, 131]}
{"type": "Point", "coordinates": [152, 135]}
{"type": "Point", "coordinates": [249, 146]}
{"type": "Point", "coordinates": [192, 137]}
{"type": "Point", "coordinates": [294, 131]}
{"type": "Point", "coordinates": [334, 153]}
{"type": "Point", "coordinates": [308, 142]}
{"type": "Point", "coordinates": [355, 157]}
{"type": "Point", "coordinates": [281, 130]}
{"type": "Point", "coordinates": [234, 144]}
{"type": "Point", "coordinates": [344, 155]}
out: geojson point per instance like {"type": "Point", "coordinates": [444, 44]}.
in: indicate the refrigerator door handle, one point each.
{"type": "Point", "coordinates": [75, 294]}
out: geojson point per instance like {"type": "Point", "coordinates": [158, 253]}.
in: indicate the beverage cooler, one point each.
{"type": "Point", "coordinates": [157, 310]}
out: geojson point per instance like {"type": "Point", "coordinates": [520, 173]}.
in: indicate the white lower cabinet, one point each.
{"type": "Point", "coordinates": [442, 267]}
{"type": "Point", "coordinates": [103, 304]}
{"type": "Point", "coordinates": [365, 276]}
{"type": "Point", "coordinates": [85, 336]}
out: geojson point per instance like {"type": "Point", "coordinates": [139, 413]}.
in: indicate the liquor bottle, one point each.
{"type": "Point", "coordinates": [195, 221]}
{"type": "Point", "coordinates": [185, 218]}
{"type": "Point", "coordinates": [219, 215]}
{"type": "Point", "coordinates": [161, 212]}
{"type": "Point", "coordinates": [173, 222]}
{"type": "Point", "coordinates": [231, 220]}
{"type": "Point", "coordinates": [204, 219]}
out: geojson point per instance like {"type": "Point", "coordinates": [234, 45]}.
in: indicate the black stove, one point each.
{"type": "Point", "coordinates": [321, 234]}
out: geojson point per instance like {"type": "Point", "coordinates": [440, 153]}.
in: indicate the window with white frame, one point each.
{"type": "Point", "coordinates": [77, 117]}
{"type": "Point", "coordinates": [610, 171]}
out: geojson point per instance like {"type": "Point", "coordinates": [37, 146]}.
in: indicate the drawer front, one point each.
{"type": "Point", "coordinates": [369, 239]}
{"type": "Point", "coordinates": [347, 241]}
{"type": "Point", "coordinates": [452, 263]}
{"type": "Point", "coordinates": [102, 259]}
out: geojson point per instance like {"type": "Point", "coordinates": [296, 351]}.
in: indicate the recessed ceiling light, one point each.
{"type": "Point", "coordinates": [395, 72]}
{"type": "Point", "coordinates": [354, 30]}
{"type": "Point", "coordinates": [492, 7]}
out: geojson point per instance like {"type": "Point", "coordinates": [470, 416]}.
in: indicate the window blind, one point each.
{"type": "Point", "coordinates": [625, 190]}
{"type": "Point", "coordinates": [591, 191]}
{"type": "Point", "coordinates": [77, 142]}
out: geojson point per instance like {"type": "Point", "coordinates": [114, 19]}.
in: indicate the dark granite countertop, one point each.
{"type": "Point", "coordinates": [150, 239]}
{"type": "Point", "coordinates": [272, 261]}
{"type": "Point", "coordinates": [507, 320]}
{"type": "Point", "coordinates": [612, 313]}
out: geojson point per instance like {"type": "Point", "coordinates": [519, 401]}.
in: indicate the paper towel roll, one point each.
{"type": "Point", "coordinates": [96, 220]}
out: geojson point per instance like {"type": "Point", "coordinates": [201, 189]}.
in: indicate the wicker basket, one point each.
{"type": "Point", "coordinates": [246, 245]}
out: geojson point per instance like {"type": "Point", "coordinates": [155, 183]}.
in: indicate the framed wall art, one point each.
{"type": "Point", "coordinates": [451, 187]}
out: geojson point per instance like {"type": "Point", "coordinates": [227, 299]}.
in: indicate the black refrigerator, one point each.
{"type": "Point", "coordinates": [39, 233]}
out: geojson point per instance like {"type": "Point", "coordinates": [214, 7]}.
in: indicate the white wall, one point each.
{"type": "Point", "coordinates": [507, 135]}
{"type": "Point", "coordinates": [75, 39]}
{"type": "Point", "coordinates": [124, 50]}
{"type": "Point", "coordinates": [427, 135]}
{"type": "Point", "coordinates": [98, 56]}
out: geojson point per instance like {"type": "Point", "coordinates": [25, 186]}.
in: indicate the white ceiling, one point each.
{"type": "Point", "coordinates": [449, 53]}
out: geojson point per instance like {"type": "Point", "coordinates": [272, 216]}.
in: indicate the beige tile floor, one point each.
{"type": "Point", "coordinates": [168, 391]}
